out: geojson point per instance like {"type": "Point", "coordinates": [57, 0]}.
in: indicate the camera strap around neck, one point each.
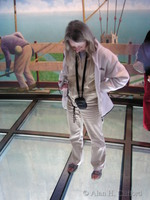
{"type": "Point", "coordinates": [77, 78]}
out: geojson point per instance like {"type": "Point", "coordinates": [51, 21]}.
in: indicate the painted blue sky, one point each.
{"type": "Point", "coordinates": [24, 6]}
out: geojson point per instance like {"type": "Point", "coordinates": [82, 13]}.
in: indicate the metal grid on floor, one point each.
{"type": "Point", "coordinates": [65, 178]}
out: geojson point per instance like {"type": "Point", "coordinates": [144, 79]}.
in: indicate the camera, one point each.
{"type": "Point", "coordinates": [81, 103]}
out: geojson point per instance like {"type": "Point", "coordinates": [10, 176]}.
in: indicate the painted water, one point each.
{"type": "Point", "coordinates": [50, 27]}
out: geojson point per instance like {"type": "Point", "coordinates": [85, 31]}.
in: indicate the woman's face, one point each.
{"type": "Point", "coordinates": [77, 46]}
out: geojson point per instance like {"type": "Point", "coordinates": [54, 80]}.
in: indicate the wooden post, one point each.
{"type": "Point", "coordinates": [129, 62]}
{"type": "Point", "coordinates": [37, 72]}
{"type": "Point", "coordinates": [85, 20]}
{"type": "Point", "coordinates": [129, 56]}
{"type": "Point", "coordinates": [83, 11]}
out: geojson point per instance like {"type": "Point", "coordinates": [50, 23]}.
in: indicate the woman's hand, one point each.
{"type": "Point", "coordinates": [62, 85]}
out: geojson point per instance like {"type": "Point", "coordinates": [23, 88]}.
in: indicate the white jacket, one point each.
{"type": "Point", "coordinates": [110, 75]}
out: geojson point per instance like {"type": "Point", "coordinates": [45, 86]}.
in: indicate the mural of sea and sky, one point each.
{"type": "Point", "coordinates": [46, 20]}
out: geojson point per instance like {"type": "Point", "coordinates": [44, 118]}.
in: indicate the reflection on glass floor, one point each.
{"type": "Point", "coordinates": [1, 136]}
{"type": "Point", "coordinates": [114, 123]}
{"type": "Point", "coordinates": [141, 173]}
{"type": "Point", "coordinates": [10, 111]}
{"type": "Point", "coordinates": [47, 116]}
{"type": "Point", "coordinates": [83, 187]}
{"type": "Point", "coordinates": [139, 133]}
{"type": "Point", "coordinates": [31, 167]}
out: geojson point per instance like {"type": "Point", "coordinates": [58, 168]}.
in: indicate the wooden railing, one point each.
{"type": "Point", "coordinates": [45, 48]}
{"type": "Point", "coordinates": [41, 49]}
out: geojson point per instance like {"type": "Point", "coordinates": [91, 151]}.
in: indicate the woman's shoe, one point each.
{"type": "Point", "coordinates": [96, 174]}
{"type": "Point", "coordinates": [72, 168]}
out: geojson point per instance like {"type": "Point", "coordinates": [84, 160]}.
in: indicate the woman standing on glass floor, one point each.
{"type": "Point", "coordinates": [89, 72]}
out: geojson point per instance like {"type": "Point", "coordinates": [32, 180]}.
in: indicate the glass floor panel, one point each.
{"type": "Point", "coordinates": [31, 167]}
{"type": "Point", "coordinates": [83, 187]}
{"type": "Point", "coordinates": [139, 133]}
{"type": "Point", "coordinates": [2, 135]}
{"type": "Point", "coordinates": [140, 173]}
{"type": "Point", "coordinates": [48, 117]}
{"type": "Point", "coordinates": [10, 111]}
{"type": "Point", "coordinates": [114, 121]}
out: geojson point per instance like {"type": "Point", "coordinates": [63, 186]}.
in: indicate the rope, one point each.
{"type": "Point", "coordinates": [107, 17]}
{"type": "Point", "coordinates": [95, 11]}
{"type": "Point", "coordinates": [121, 16]}
{"type": "Point", "coordinates": [100, 17]}
{"type": "Point", "coordinates": [115, 17]}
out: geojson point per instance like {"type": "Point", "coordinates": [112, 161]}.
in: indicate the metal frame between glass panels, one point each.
{"type": "Point", "coordinates": [64, 180]}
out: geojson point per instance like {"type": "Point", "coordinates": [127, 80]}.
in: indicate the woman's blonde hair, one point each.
{"type": "Point", "coordinates": [79, 32]}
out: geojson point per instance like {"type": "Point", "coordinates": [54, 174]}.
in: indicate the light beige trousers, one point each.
{"type": "Point", "coordinates": [21, 67]}
{"type": "Point", "coordinates": [92, 120]}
